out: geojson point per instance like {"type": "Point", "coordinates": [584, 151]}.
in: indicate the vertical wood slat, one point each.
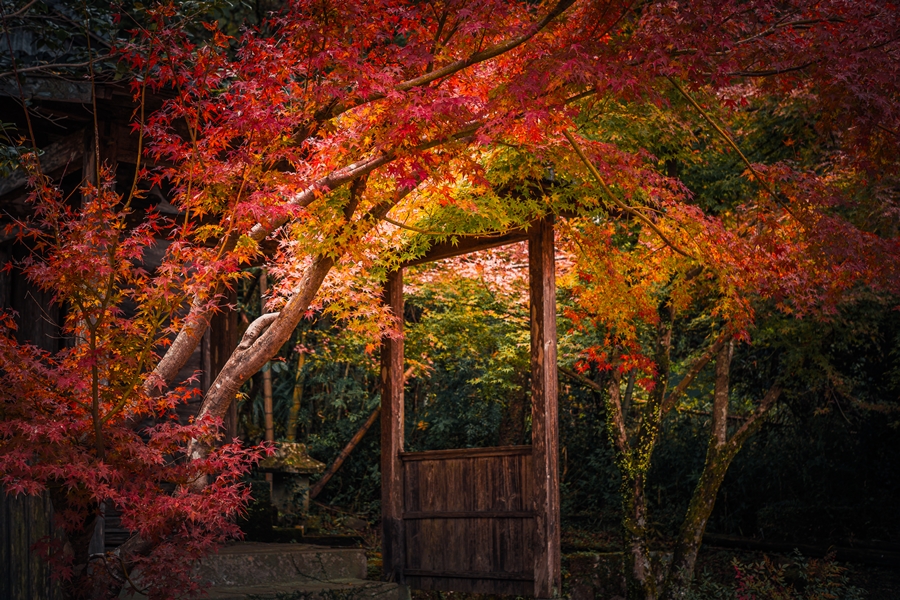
{"type": "Point", "coordinates": [24, 521]}
{"type": "Point", "coordinates": [544, 412]}
{"type": "Point", "coordinates": [392, 420]}
{"type": "Point", "coordinates": [38, 527]}
{"type": "Point", "coordinates": [19, 548]}
{"type": "Point", "coordinates": [5, 548]}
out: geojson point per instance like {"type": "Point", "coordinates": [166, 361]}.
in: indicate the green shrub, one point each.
{"type": "Point", "coordinates": [797, 578]}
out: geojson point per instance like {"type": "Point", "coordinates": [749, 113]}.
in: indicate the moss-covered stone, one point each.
{"type": "Point", "coordinates": [291, 457]}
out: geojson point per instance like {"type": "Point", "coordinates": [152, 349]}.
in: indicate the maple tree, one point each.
{"type": "Point", "coordinates": [69, 417]}
{"type": "Point", "coordinates": [354, 134]}
{"type": "Point", "coordinates": [632, 285]}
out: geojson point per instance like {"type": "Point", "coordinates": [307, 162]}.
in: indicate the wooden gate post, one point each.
{"type": "Point", "coordinates": [392, 553]}
{"type": "Point", "coordinates": [544, 413]}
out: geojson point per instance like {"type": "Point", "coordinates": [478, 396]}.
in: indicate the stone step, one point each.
{"type": "Point", "coordinates": [256, 571]}
{"type": "Point", "coordinates": [254, 563]}
{"type": "Point", "coordinates": [339, 589]}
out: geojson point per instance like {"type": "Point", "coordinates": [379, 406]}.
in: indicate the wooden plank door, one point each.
{"type": "Point", "coordinates": [468, 520]}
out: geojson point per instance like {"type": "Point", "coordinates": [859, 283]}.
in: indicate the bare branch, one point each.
{"type": "Point", "coordinates": [694, 370]}
{"type": "Point", "coordinates": [53, 66]}
{"type": "Point", "coordinates": [754, 420]}
{"type": "Point", "coordinates": [22, 10]}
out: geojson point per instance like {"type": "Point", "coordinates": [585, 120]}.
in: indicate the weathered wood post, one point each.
{"type": "Point", "coordinates": [544, 413]}
{"type": "Point", "coordinates": [392, 437]}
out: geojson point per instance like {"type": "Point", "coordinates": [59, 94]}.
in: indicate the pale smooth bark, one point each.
{"type": "Point", "coordinates": [267, 334]}
{"type": "Point", "coordinates": [197, 321]}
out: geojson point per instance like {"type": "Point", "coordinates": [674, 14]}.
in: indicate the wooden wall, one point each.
{"type": "Point", "coordinates": [24, 520]}
{"type": "Point", "coordinates": [24, 575]}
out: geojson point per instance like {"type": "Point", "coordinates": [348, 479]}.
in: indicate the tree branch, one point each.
{"type": "Point", "coordinates": [488, 53]}
{"type": "Point", "coordinates": [354, 441]}
{"type": "Point", "coordinates": [352, 171]}
{"type": "Point", "coordinates": [256, 329]}
{"type": "Point", "coordinates": [53, 66]}
{"type": "Point", "coordinates": [616, 418]}
{"type": "Point", "coordinates": [197, 321]}
{"type": "Point", "coordinates": [753, 421]}
{"type": "Point", "coordinates": [734, 146]}
{"type": "Point", "coordinates": [692, 373]}
{"type": "Point", "coordinates": [242, 364]}
{"type": "Point", "coordinates": [457, 65]}
{"type": "Point", "coordinates": [22, 10]}
{"type": "Point", "coordinates": [612, 197]}
{"type": "Point", "coordinates": [719, 425]}
{"type": "Point", "coordinates": [581, 379]}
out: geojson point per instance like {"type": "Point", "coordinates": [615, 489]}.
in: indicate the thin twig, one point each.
{"type": "Point", "coordinates": [596, 174]}
{"type": "Point", "coordinates": [54, 66]}
{"type": "Point", "coordinates": [732, 143]}
{"type": "Point", "coordinates": [22, 10]}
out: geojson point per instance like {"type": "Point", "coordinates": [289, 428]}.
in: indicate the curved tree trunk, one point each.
{"type": "Point", "coordinates": [720, 453]}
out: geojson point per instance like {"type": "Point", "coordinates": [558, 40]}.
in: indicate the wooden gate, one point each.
{"type": "Point", "coordinates": [483, 520]}
{"type": "Point", "coordinates": [468, 520]}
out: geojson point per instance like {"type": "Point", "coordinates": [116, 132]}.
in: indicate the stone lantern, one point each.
{"type": "Point", "coordinates": [291, 467]}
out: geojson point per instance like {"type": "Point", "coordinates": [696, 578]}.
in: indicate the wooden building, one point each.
{"type": "Point", "coordinates": [62, 119]}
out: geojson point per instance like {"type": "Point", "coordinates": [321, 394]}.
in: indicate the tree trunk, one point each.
{"type": "Point", "coordinates": [268, 333]}
{"type": "Point", "coordinates": [267, 374]}
{"type": "Point", "coordinates": [296, 397]}
{"type": "Point", "coordinates": [640, 580]}
{"type": "Point", "coordinates": [718, 459]}
{"type": "Point", "coordinates": [693, 526]}
{"type": "Point", "coordinates": [719, 455]}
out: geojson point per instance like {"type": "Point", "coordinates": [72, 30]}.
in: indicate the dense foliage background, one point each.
{"type": "Point", "coordinates": [825, 467]}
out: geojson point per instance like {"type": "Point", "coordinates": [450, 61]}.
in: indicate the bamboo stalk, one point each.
{"type": "Point", "coordinates": [267, 373]}
{"type": "Point", "coordinates": [297, 398]}
{"type": "Point", "coordinates": [267, 378]}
